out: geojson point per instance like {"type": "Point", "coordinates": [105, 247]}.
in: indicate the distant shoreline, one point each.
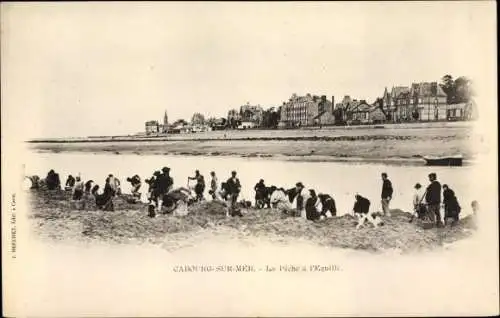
{"type": "Point", "coordinates": [305, 133]}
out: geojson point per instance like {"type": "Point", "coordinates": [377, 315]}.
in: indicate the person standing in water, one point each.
{"type": "Point", "coordinates": [386, 194]}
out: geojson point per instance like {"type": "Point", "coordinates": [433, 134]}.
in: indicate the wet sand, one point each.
{"type": "Point", "coordinates": [394, 145]}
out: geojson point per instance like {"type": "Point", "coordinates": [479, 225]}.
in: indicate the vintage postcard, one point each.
{"type": "Point", "coordinates": [249, 159]}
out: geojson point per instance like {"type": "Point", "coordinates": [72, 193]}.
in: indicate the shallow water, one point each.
{"type": "Point", "coordinates": [342, 180]}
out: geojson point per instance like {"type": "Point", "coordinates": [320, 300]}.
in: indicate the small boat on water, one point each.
{"type": "Point", "coordinates": [455, 160]}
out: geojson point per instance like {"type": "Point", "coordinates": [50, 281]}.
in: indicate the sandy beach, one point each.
{"type": "Point", "coordinates": [54, 217]}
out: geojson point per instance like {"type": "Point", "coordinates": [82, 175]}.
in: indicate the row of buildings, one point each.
{"type": "Point", "coordinates": [419, 102]}
{"type": "Point", "coordinates": [247, 115]}
{"type": "Point", "coordinates": [416, 103]}
{"type": "Point", "coordinates": [153, 127]}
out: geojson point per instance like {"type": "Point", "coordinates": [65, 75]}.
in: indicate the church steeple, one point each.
{"type": "Point", "coordinates": [165, 119]}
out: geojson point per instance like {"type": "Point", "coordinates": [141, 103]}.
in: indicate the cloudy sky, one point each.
{"type": "Point", "coordinates": [79, 69]}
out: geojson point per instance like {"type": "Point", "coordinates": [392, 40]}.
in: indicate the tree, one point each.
{"type": "Point", "coordinates": [232, 123]}
{"type": "Point", "coordinates": [211, 121]}
{"type": "Point", "coordinates": [463, 89]}
{"type": "Point", "coordinates": [180, 122]}
{"type": "Point", "coordinates": [448, 86]}
{"type": "Point", "coordinates": [270, 118]}
{"type": "Point", "coordinates": [198, 119]}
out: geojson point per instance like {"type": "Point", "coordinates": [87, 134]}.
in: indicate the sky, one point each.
{"type": "Point", "coordinates": [80, 69]}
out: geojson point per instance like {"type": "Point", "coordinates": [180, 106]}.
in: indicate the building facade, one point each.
{"type": "Point", "coordinates": [152, 127]}
{"type": "Point", "coordinates": [424, 101]}
{"type": "Point", "coordinates": [251, 113]}
{"type": "Point", "coordinates": [306, 110]}
{"type": "Point", "coordinates": [377, 116]}
{"type": "Point", "coordinates": [358, 112]}
{"type": "Point", "coordinates": [394, 101]}
{"type": "Point", "coordinates": [462, 111]}
{"type": "Point", "coordinates": [429, 101]}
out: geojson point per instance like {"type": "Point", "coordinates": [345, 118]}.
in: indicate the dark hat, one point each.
{"type": "Point", "coordinates": [156, 173]}
{"type": "Point", "coordinates": [233, 172]}
{"type": "Point", "coordinates": [432, 174]}
{"type": "Point", "coordinates": [312, 192]}
{"type": "Point", "coordinates": [261, 180]}
{"type": "Point", "coordinates": [299, 184]}
{"type": "Point", "coordinates": [164, 169]}
{"type": "Point", "coordinates": [418, 186]}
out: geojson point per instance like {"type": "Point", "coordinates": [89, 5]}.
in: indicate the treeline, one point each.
{"type": "Point", "coordinates": [457, 90]}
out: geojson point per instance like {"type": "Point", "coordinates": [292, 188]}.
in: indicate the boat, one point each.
{"type": "Point", "coordinates": [455, 160]}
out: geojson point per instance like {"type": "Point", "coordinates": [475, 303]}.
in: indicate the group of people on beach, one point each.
{"type": "Point", "coordinates": [297, 201]}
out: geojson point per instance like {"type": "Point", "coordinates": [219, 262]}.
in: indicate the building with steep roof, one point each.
{"type": "Point", "coordinates": [308, 110]}
{"type": "Point", "coordinates": [424, 101]}
{"type": "Point", "coordinates": [359, 112]}
{"type": "Point", "coordinates": [428, 100]}
{"type": "Point", "coordinates": [251, 113]}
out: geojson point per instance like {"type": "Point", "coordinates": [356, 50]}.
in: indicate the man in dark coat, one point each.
{"type": "Point", "coordinates": [312, 212]}
{"type": "Point", "coordinates": [163, 184]}
{"type": "Point", "coordinates": [451, 206]}
{"type": "Point", "coordinates": [164, 181]}
{"type": "Point", "coordinates": [70, 182]}
{"type": "Point", "coordinates": [153, 184]}
{"type": "Point", "coordinates": [328, 204]}
{"type": "Point", "coordinates": [386, 194]}
{"type": "Point", "coordinates": [234, 187]}
{"type": "Point", "coordinates": [52, 181]}
{"type": "Point", "coordinates": [361, 210]}
{"type": "Point", "coordinates": [433, 199]}
{"type": "Point", "coordinates": [260, 194]}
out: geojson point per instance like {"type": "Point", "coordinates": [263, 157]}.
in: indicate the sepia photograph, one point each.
{"type": "Point", "coordinates": [249, 159]}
